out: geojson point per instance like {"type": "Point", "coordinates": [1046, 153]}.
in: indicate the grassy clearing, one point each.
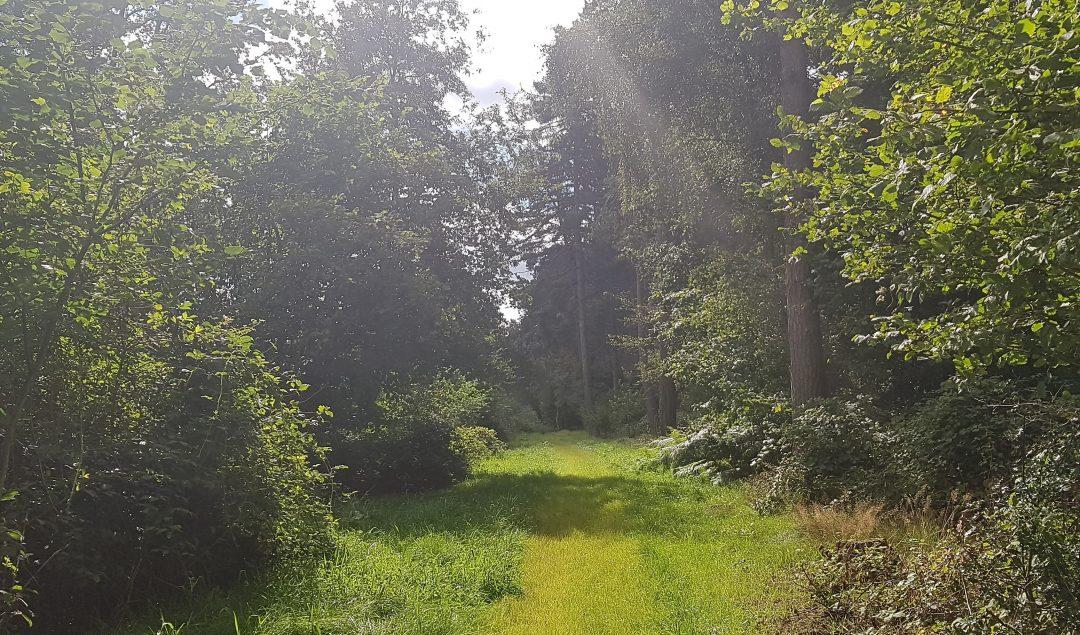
{"type": "Point", "coordinates": [560, 536]}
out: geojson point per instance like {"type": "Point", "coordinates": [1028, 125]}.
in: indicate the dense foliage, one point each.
{"type": "Point", "coordinates": [253, 257]}
{"type": "Point", "coordinates": [946, 173]}
{"type": "Point", "coordinates": [890, 183]}
{"type": "Point", "coordinates": [424, 436]}
{"type": "Point", "coordinates": [1011, 570]}
{"type": "Point", "coordinates": [202, 202]}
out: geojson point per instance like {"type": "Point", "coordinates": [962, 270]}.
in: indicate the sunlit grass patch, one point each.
{"type": "Point", "coordinates": [560, 535]}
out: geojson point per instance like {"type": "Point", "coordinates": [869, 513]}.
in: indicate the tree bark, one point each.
{"type": "Point", "coordinates": [804, 336]}
{"type": "Point", "coordinates": [583, 351]}
{"type": "Point", "coordinates": [668, 405]}
{"type": "Point", "coordinates": [651, 395]}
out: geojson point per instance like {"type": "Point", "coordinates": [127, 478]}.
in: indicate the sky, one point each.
{"type": "Point", "coordinates": [511, 57]}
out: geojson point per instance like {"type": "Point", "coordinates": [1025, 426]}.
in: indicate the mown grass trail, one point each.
{"type": "Point", "coordinates": [562, 535]}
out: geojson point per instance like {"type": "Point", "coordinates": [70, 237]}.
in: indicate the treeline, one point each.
{"type": "Point", "coordinates": [247, 254]}
{"type": "Point", "coordinates": [837, 242]}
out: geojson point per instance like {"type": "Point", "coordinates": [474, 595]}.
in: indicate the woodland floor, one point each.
{"type": "Point", "coordinates": [561, 535]}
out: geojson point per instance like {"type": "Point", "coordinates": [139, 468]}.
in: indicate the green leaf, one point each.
{"type": "Point", "coordinates": [943, 94]}
{"type": "Point", "coordinates": [234, 250]}
{"type": "Point", "coordinates": [1036, 327]}
{"type": "Point", "coordinates": [59, 36]}
{"type": "Point", "coordinates": [1026, 26]}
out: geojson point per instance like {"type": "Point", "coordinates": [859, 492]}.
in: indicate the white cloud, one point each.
{"type": "Point", "coordinates": [510, 57]}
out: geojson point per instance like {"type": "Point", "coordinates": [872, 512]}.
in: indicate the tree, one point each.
{"type": "Point", "coordinates": [806, 350]}
{"type": "Point", "coordinates": [158, 432]}
{"type": "Point", "coordinates": [109, 111]}
{"type": "Point", "coordinates": [373, 222]}
{"type": "Point", "coordinates": [571, 195]}
{"type": "Point", "coordinates": [683, 110]}
{"type": "Point", "coordinates": [944, 162]}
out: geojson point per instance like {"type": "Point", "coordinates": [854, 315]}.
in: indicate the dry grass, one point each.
{"type": "Point", "coordinates": [910, 529]}
{"type": "Point", "coordinates": [828, 524]}
{"type": "Point", "coordinates": [908, 526]}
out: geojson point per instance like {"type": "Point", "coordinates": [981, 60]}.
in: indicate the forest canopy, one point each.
{"type": "Point", "coordinates": [254, 265]}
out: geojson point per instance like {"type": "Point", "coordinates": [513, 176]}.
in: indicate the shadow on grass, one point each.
{"type": "Point", "coordinates": [422, 563]}
{"type": "Point", "coordinates": [541, 503]}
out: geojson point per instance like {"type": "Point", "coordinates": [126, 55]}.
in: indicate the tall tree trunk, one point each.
{"type": "Point", "coordinates": [668, 405]}
{"type": "Point", "coordinates": [583, 351]}
{"type": "Point", "coordinates": [649, 393]}
{"type": "Point", "coordinates": [805, 346]}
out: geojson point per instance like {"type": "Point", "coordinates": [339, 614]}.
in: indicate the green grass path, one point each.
{"type": "Point", "coordinates": [617, 550]}
{"type": "Point", "coordinates": [561, 535]}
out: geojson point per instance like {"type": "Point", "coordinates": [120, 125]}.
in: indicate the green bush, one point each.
{"type": "Point", "coordinates": [984, 580]}
{"type": "Point", "coordinates": [14, 610]}
{"type": "Point", "coordinates": [969, 435]}
{"type": "Point", "coordinates": [476, 443]}
{"type": "Point", "coordinates": [724, 445]}
{"type": "Point", "coordinates": [834, 451]}
{"type": "Point", "coordinates": [197, 468]}
{"type": "Point", "coordinates": [1040, 517]}
{"type": "Point", "coordinates": [1007, 566]}
{"type": "Point", "coordinates": [621, 413]}
{"type": "Point", "coordinates": [413, 444]}
{"type": "Point", "coordinates": [508, 416]}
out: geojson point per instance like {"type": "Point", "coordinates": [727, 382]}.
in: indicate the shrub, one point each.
{"type": "Point", "coordinates": [1008, 568]}
{"type": "Point", "coordinates": [508, 416]}
{"type": "Point", "coordinates": [450, 399]}
{"type": "Point", "coordinates": [413, 444]}
{"type": "Point", "coordinates": [14, 609]}
{"type": "Point", "coordinates": [476, 443]}
{"type": "Point", "coordinates": [621, 413]}
{"type": "Point", "coordinates": [1041, 518]}
{"type": "Point", "coordinates": [835, 451]}
{"type": "Point", "coordinates": [196, 467]}
{"type": "Point", "coordinates": [968, 435]}
{"type": "Point", "coordinates": [724, 445]}
{"type": "Point", "coordinates": [405, 456]}
{"type": "Point", "coordinates": [981, 583]}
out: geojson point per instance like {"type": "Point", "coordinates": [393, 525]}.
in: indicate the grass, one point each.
{"type": "Point", "coordinates": [561, 535]}
{"type": "Point", "coordinates": [905, 527]}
